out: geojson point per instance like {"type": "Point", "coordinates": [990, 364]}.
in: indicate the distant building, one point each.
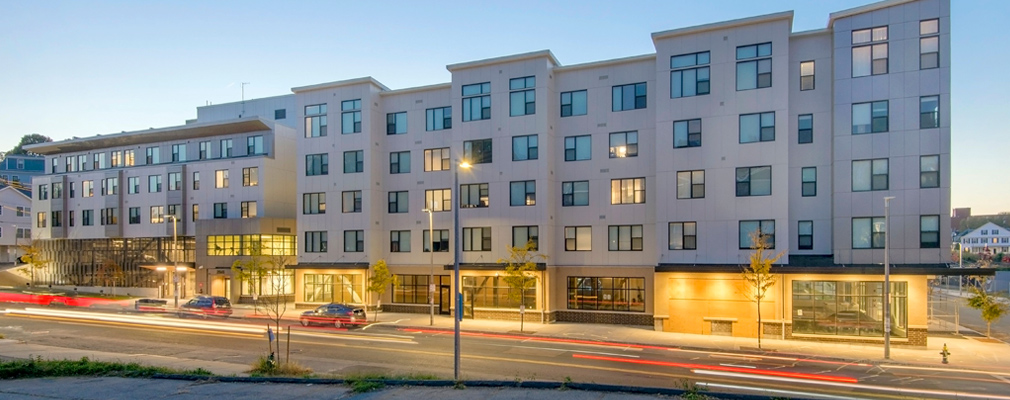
{"type": "Point", "coordinates": [15, 223]}
{"type": "Point", "coordinates": [989, 238]}
{"type": "Point", "coordinates": [17, 171]}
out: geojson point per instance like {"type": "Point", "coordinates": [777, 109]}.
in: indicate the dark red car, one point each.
{"type": "Point", "coordinates": [205, 307]}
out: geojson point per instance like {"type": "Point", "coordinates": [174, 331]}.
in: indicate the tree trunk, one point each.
{"type": "Point", "coordinates": [759, 323]}
{"type": "Point", "coordinates": [988, 330]}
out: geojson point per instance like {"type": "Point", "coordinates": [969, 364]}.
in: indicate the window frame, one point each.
{"type": "Point", "coordinates": [479, 95]}
{"type": "Point", "coordinates": [805, 128]}
{"type": "Point", "coordinates": [869, 111]}
{"type": "Point", "coordinates": [531, 148]}
{"type": "Point", "coordinates": [635, 187]}
{"type": "Point", "coordinates": [317, 164]}
{"type": "Point", "coordinates": [808, 182]}
{"type": "Point", "coordinates": [877, 230]}
{"type": "Point", "coordinates": [765, 132]}
{"type": "Point", "coordinates": [929, 118]}
{"type": "Point", "coordinates": [573, 235]}
{"type": "Point", "coordinates": [749, 181]}
{"type": "Point", "coordinates": [926, 175]}
{"type": "Point", "coordinates": [871, 48]}
{"type": "Point", "coordinates": [805, 241]}
{"type": "Point", "coordinates": [532, 233]}
{"type": "Point", "coordinates": [468, 198]}
{"type": "Point", "coordinates": [874, 163]}
{"type": "Point", "coordinates": [522, 91]}
{"type": "Point", "coordinates": [761, 225]}
{"type": "Point", "coordinates": [398, 202]}
{"type": "Point", "coordinates": [569, 195]}
{"type": "Point", "coordinates": [469, 241]}
{"type": "Point", "coordinates": [350, 116]}
{"type": "Point", "coordinates": [358, 241]}
{"type": "Point", "coordinates": [634, 241]}
{"type": "Point", "coordinates": [684, 236]}
{"type": "Point", "coordinates": [443, 160]}
{"type": "Point", "coordinates": [685, 138]}
{"type": "Point", "coordinates": [315, 121]}
{"type": "Point", "coordinates": [934, 232]}
{"type": "Point", "coordinates": [571, 103]}
{"type": "Point", "coordinates": [478, 151]}
{"type": "Point", "coordinates": [680, 71]}
{"type": "Point", "coordinates": [443, 204]}
{"type": "Point", "coordinates": [807, 80]}
{"type": "Point", "coordinates": [438, 118]}
{"type": "Point", "coordinates": [528, 190]}
{"type": "Point", "coordinates": [623, 140]}
{"type": "Point", "coordinates": [686, 181]}
{"type": "Point", "coordinates": [760, 61]}
{"type": "Point", "coordinates": [313, 203]}
{"type": "Point", "coordinates": [396, 123]}
{"type": "Point", "coordinates": [398, 164]}
{"type": "Point", "coordinates": [350, 201]}
{"type": "Point", "coordinates": [399, 241]}
{"type": "Point", "coordinates": [926, 35]}
{"type": "Point", "coordinates": [639, 101]}
{"type": "Point", "coordinates": [354, 161]}
{"type": "Point", "coordinates": [572, 146]}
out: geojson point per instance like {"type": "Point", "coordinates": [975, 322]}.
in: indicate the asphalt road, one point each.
{"type": "Point", "coordinates": [390, 350]}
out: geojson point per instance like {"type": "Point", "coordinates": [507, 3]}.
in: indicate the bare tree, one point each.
{"type": "Point", "coordinates": [757, 275]}
{"type": "Point", "coordinates": [520, 273]}
{"type": "Point", "coordinates": [265, 271]}
{"type": "Point", "coordinates": [380, 280]}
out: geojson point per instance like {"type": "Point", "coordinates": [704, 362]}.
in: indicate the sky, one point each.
{"type": "Point", "coordinates": [82, 68]}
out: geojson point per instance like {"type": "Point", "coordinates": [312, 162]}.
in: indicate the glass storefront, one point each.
{"type": "Point", "coordinates": [270, 283]}
{"type": "Point", "coordinates": [241, 245]}
{"type": "Point", "coordinates": [611, 294]}
{"type": "Point", "coordinates": [848, 308]}
{"type": "Point", "coordinates": [326, 288]}
{"type": "Point", "coordinates": [493, 292]}
{"type": "Point", "coordinates": [411, 289]}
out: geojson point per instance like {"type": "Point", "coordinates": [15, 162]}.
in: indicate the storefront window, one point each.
{"type": "Point", "coordinates": [848, 308]}
{"type": "Point", "coordinates": [411, 289]}
{"type": "Point", "coordinates": [610, 294]}
{"type": "Point", "coordinates": [236, 245]}
{"type": "Point", "coordinates": [493, 292]}
{"type": "Point", "coordinates": [270, 283]}
{"type": "Point", "coordinates": [327, 288]}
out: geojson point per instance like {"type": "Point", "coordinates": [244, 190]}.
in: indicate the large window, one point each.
{"type": "Point", "coordinates": [754, 66]}
{"type": "Point", "coordinates": [354, 161]}
{"type": "Point", "coordinates": [157, 214]}
{"type": "Point", "coordinates": [399, 241]}
{"type": "Point", "coordinates": [411, 289]}
{"type": "Point", "coordinates": [314, 203]}
{"type": "Point", "coordinates": [493, 292]}
{"type": "Point", "coordinates": [868, 232]}
{"type": "Point", "coordinates": [110, 216]}
{"type": "Point", "coordinates": [254, 145]}
{"type": "Point", "coordinates": [929, 112]}
{"type": "Point", "coordinates": [350, 116]}
{"type": "Point", "coordinates": [627, 191]}
{"type": "Point", "coordinates": [624, 144]}
{"type": "Point", "coordinates": [134, 215]}
{"type": "Point", "coordinates": [691, 184]}
{"type": "Point", "coordinates": [315, 120]}
{"type": "Point", "coordinates": [624, 237]}
{"type": "Point", "coordinates": [226, 148]}
{"type": "Point", "coordinates": [398, 202]}
{"type": "Point", "coordinates": [441, 240]}
{"type": "Point", "coordinates": [578, 148]}
{"type": "Point", "coordinates": [327, 288]}
{"type": "Point", "coordinates": [153, 157]}
{"type": "Point", "coordinates": [806, 75]}
{"type": "Point", "coordinates": [764, 229]}
{"type": "Point", "coordinates": [251, 176]}
{"type": "Point", "coordinates": [523, 193]}
{"type": "Point", "coordinates": [578, 238]}
{"type": "Point", "coordinates": [221, 178]}
{"type": "Point", "coordinates": [805, 235]}
{"type": "Point", "coordinates": [805, 124]}
{"type": "Point", "coordinates": [473, 195]}
{"type": "Point", "coordinates": [315, 241]}
{"type": "Point", "coordinates": [808, 177]}
{"type": "Point", "coordinates": [869, 175]}
{"type": "Point", "coordinates": [929, 171]}
{"type": "Point", "coordinates": [522, 96]}
{"type": "Point", "coordinates": [848, 308]}
{"type": "Point", "coordinates": [758, 127]}
{"type": "Point", "coordinates": [477, 101]}
{"type": "Point", "coordinates": [438, 199]}
{"type": "Point", "coordinates": [573, 103]}
{"type": "Point", "coordinates": [438, 118]}
{"type": "Point", "coordinates": [317, 164]}
{"type": "Point", "coordinates": [396, 123]}
{"type": "Point", "coordinates": [174, 181]}
{"type": "Point", "coordinates": [869, 51]}
{"type": "Point", "coordinates": [683, 236]}
{"type": "Point", "coordinates": [354, 241]}
{"type": "Point", "coordinates": [87, 188]}
{"type": "Point", "coordinates": [629, 97]}
{"type": "Point", "coordinates": [350, 201]}
{"type": "Point", "coordinates": [220, 210]}
{"type": "Point", "coordinates": [477, 151]}
{"type": "Point", "coordinates": [689, 75]}
{"type": "Point", "coordinates": [204, 150]}
{"type": "Point", "coordinates": [754, 181]}
{"type": "Point", "coordinates": [687, 133]}
{"type": "Point", "coordinates": [399, 162]}
{"type": "Point", "coordinates": [575, 193]}
{"type": "Point", "coordinates": [869, 117]}
{"type": "Point", "coordinates": [525, 147]}
{"type": "Point", "coordinates": [436, 159]}
{"type": "Point", "coordinates": [610, 294]}
{"type": "Point", "coordinates": [153, 183]}
{"type": "Point", "coordinates": [477, 239]}
{"type": "Point", "coordinates": [521, 235]}
{"type": "Point", "coordinates": [929, 232]}
{"type": "Point", "coordinates": [247, 209]}
{"type": "Point", "coordinates": [929, 44]}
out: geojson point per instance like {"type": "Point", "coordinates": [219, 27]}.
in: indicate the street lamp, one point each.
{"type": "Point", "coordinates": [431, 269]}
{"type": "Point", "coordinates": [887, 279]}
{"type": "Point", "coordinates": [455, 264]}
{"type": "Point", "coordinates": [175, 259]}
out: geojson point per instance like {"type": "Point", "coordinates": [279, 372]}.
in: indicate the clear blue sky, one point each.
{"type": "Point", "coordinates": [81, 68]}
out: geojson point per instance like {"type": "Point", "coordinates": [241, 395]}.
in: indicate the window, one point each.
{"type": "Point", "coordinates": [354, 241]}
{"type": "Point", "coordinates": [477, 151]}
{"type": "Point", "coordinates": [929, 171]}
{"type": "Point", "coordinates": [929, 232]}
{"type": "Point", "coordinates": [220, 210]}
{"type": "Point", "coordinates": [317, 164]}
{"type": "Point", "coordinates": [849, 308]}
{"type": "Point", "coordinates": [578, 148]}
{"type": "Point", "coordinates": [870, 58]}
{"type": "Point", "coordinates": [396, 123]}
{"type": "Point", "coordinates": [411, 289]}
{"type": "Point", "coordinates": [399, 241]}
{"type": "Point", "coordinates": [522, 96]}
{"type": "Point", "coordinates": [805, 123]}
{"type": "Point", "coordinates": [251, 176]}
{"type": "Point", "coordinates": [929, 112]}
{"type": "Point", "coordinates": [687, 133]}
{"type": "Point", "coordinates": [99, 159]}
{"type": "Point", "coordinates": [153, 157]}
{"type": "Point", "coordinates": [398, 202]}
{"type": "Point", "coordinates": [625, 237]}
{"type": "Point", "coordinates": [350, 116]}
{"type": "Point", "coordinates": [438, 199]}
{"type": "Point", "coordinates": [315, 241]}
{"type": "Point", "coordinates": [82, 160]}
{"type": "Point", "coordinates": [40, 220]}
{"type": "Point", "coordinates": [754, 181]}
{"type": "Point", "coordinates": [134, 215]}
{"type": "Point", "coordinates": [110, 186]}
{"type": "Point", "coordinates": [315, 121]}
{"type": "Point", "coordinates": [436, 159]}
{"type": "Point", "coordinates": [226, 148]}
{"type": "Point", "coordinates": [110, 216]}
{"type": "Point", "coordinates": [248, 209]}
{"type": "Point", "coordinates": [573, 103]}
{"type": "Point", "coordinates": [221, 178]}
{"type": "Point", "coordinates": [175, 181]}
{"type": "Point", "coordinates": [627, 191]}
{"type": "Point", "coordinates": [351, 201]}
{"type": "Point", "coordinates": [806, 75]}
{"type": "Point", "coordinates": [606, 293]}
{"type": "Point", "coordinates": [688, 77]}
{"type": "Point", "coordinates": [477, 101]}
{"type": "Point", "coordinates": [44, 191]}
{"type": "Point", "coordinates": [868, 233]}
{"type": "Point", "coordinates": [525, 148]}
{"type": "Point", "coordinates": [178, 152]}
{"type": "Point", "coordinates": [805, 232]}
{"type": "Point", "coordinates": [174, 210]}
{"type": "Point", "coordinates": [757, 127]}
{"type": "Point", "coordinates": [629, 97]}
{"type": "Point", "coordinates": [578, 238]}
{"type": "Point", "coordinates": [196, 180]}
{"type": "Point", "coordinates": [473, 195]}
{"type": "Point", "coordinates": [314, 203]}
{"type": "Point", "coordinates": [624, 144]}
{"type": "Point", "coordinates": [765, 229]}
{"type": "Point", "coordinates": [441, 240]}
{"type": "Point", "coordinates": [157, 214]}
{"type": "Point", "coordinates": [574, 193]}
{"type": "Point", "coordinates": [523, 193]}
{"type": "Point", "coordinates": [929, 44]}
{"type": "Point", "coordinates": [808, 177]}
{"type": "Point", "coordinates": [494, 292]}
{"type": "Point", "coordinates": [88, 217]}
{"type": "Point", "coordinates": [399, 162]}
{"type": "Point", "coordinates": [254, 145]}
{"type": "Point", "coordinates": [87, 188]}
{"type": "Point", "coordinates": [756, 71]}
{"type": "Point", "coordinates": [691, 184]}
{"type": "Point", "coordinates": [57, 219]}
{"type": "Point", "coordinates": [869, 175]}
{"type": "Point", "coordinates": [116, 156]}
{"type": "Point", "coordinates": [58, 190]}
{"type": "Point", "coordinates": [280, 113]}
{"type": "Point", "coordinates": [526, 234]}
{"type": "Point", "coordinates": [683, 236]}
{"type": "Point", "coordinates": [439, 118]}
{"type": "Point", "coordinates": [204, 150]}
{"type": "Point", "coordinates": [354, 161]}
{"type": "Point", "coordinates": [196, 212]}
{"type": "Point", "coordinates": [869, 117]}
{"type": "Point", "coordinates": [477, 239]}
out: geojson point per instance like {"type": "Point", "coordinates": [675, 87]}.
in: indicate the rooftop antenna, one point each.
{"type": "Point", "coordinates": [243, 97]}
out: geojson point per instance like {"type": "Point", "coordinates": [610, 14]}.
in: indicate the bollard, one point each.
{"type": "Point", "coordinates": [944, 353]}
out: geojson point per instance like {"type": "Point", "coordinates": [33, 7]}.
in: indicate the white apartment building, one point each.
{"type": "Point", "coordinates": [15, 223]}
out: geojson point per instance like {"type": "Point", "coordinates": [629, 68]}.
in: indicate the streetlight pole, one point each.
{"type": "Point", "coordinates": [431, 270]}
{"type": "Point", "coordinates": [175, 259]}
{"type": "Point", "coordinates": [887, 278]}
{"type": "Point", "coordinates": [455, 263]}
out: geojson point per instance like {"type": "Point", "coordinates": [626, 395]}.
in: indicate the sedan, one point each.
{"type": "Point", "coordinates": [335, 314]}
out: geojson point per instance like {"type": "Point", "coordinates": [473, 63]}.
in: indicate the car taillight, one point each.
{"type": "Point", "coordinates": [350, 313]}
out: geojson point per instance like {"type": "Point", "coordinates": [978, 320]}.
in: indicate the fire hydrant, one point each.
{"type": "Point", "coordinates": [944, 353]}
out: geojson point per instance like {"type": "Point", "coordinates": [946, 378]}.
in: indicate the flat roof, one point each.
{"type": "Point", "coordinates": [607, 63]}
{"type": "Point", "coordinates": [336, 84]}
{"type": "Point", "coordinates": [863, 9]}
{"type": "Point", "coordinates": [505, 59]}
{"type": "Point", "coordinates": [760, 19]}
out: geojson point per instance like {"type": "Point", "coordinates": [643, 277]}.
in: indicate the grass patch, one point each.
{"type": "Point", "coordinates": [264, 366]}
{"type": "Point", "coordinates": [413, 376]}
{"type": "Point", "coordinates": [38, 368]}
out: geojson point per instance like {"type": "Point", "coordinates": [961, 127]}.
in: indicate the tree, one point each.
{"type": "Point", "coordinates": [262, 267]}
{"type": "Point", "coordinates": [26, 140]}
{"type": "Point", "coordinates": [991, 307]}
{"type": "Point", "coordinates": [110, 273]}
{"type": "Point", "coordinates": [520, 268]}
{"type": "Point", "coordinates": [757, 275]}
{"type": "Point", "coordinates": [380, 280]}
{"type": "Point", "coordinates": [35, 257]}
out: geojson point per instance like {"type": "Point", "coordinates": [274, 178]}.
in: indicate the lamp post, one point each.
{"type": "Point", "coordinates": [175, 259]}
{"type": "Point", "coordinates": [887, 279]}
{"type": "Point", "coordinates": [431, 270]}
{"type": "Point", "coordinates": [455, 265]}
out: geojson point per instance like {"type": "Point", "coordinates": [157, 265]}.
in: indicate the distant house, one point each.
{"type": "Point", "coordinates": [17, 170]}
{"type": "Point", "coordinates": [15, 222]}
{"type": "Point", "coordinates": [989, 237]}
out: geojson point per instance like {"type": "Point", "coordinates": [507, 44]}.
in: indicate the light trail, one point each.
{"type": "Point", "coordinates": [744, 371]}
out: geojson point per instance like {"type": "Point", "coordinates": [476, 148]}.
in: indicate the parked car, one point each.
{"type": "Point", "coordinates": [336, 314]}
{"type": "Point", "coordinates": [206, 306]}
{"type": "Point", "coordinates": [151, 305]}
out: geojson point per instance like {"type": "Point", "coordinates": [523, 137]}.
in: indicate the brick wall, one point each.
{"type": "Point", "coordinates": [506, 315]}
{"type": "Point", "coordinates": [916, 337]}
{"type": "Point", "coordinates": [604, 318]}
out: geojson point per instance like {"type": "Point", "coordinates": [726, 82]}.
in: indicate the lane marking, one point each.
{"type": "Point", "coordinates": [779, 391]}
{"type": "Point", "coordinates": [799, 375]}
{"type": "Point", "coordinates": [566, 350]}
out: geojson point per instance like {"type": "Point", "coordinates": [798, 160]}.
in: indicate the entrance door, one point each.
{"type": "Point", "coordinates": [444, 299]}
